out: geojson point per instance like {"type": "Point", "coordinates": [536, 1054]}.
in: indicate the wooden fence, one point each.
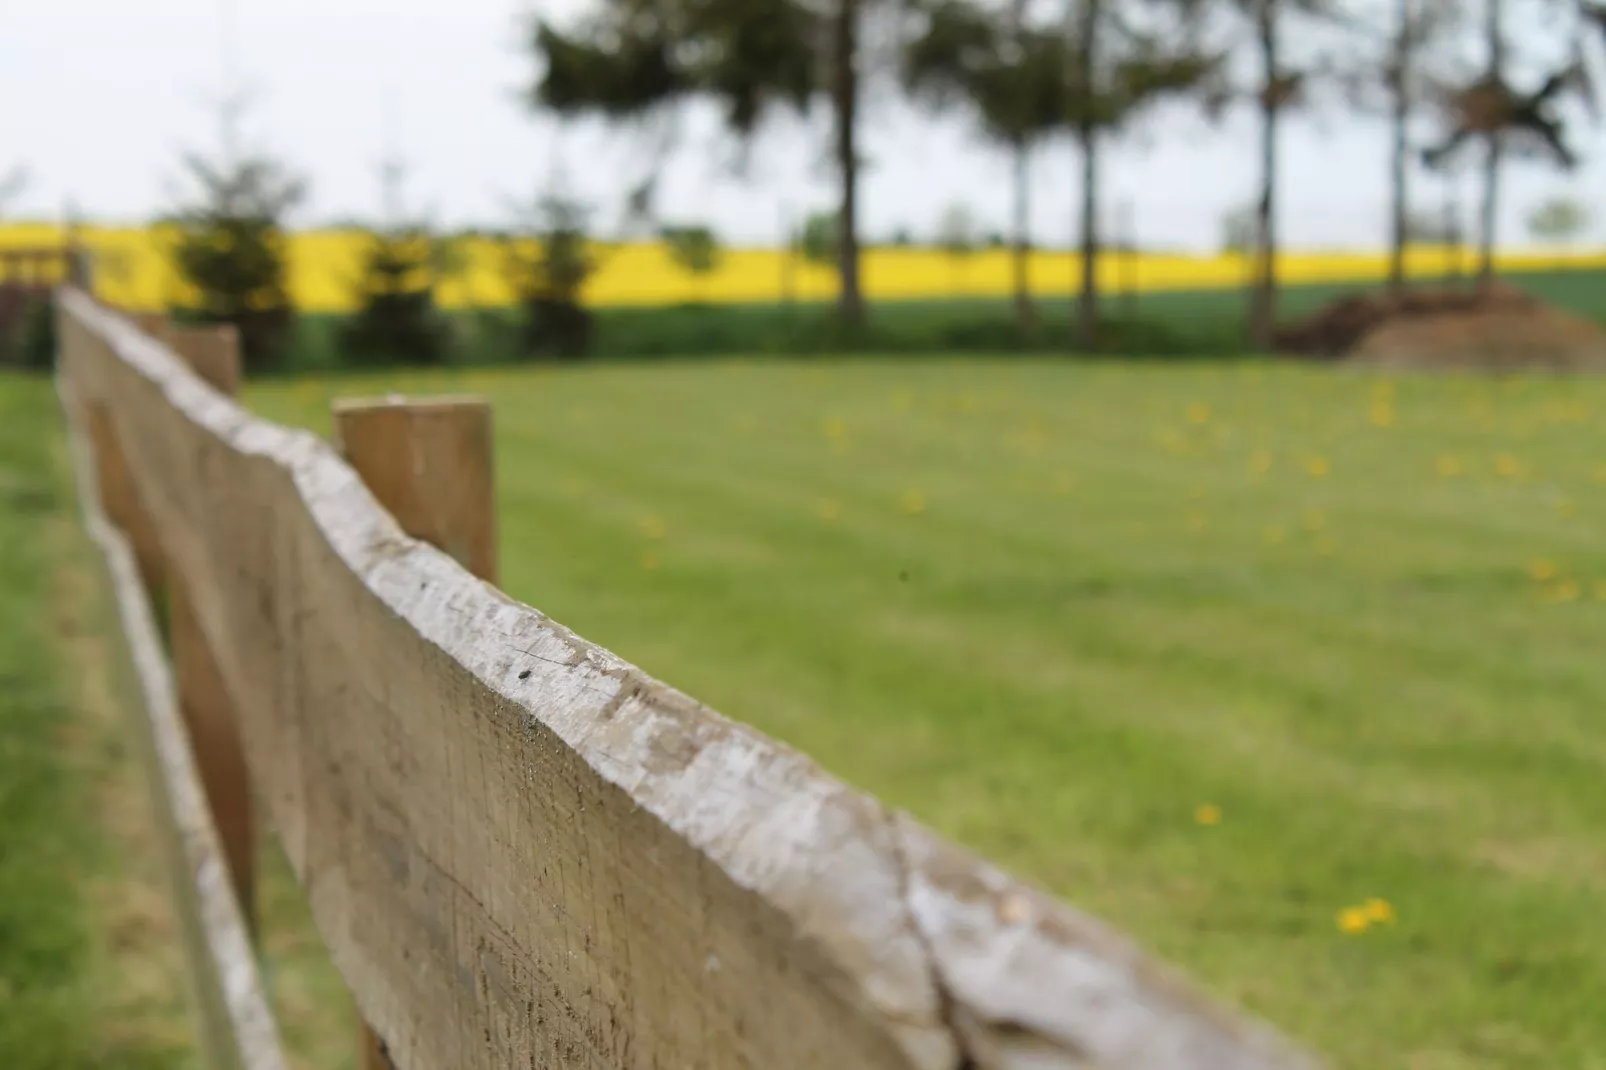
{"type": "Point", "coordinates": [521, 851]}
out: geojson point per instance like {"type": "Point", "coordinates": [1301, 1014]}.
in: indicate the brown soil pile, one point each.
{"type": "Point", "coordinates": [1500, 328]}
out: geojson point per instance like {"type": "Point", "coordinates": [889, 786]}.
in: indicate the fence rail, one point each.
{"type": "Point", "coordinates": [523, 852]}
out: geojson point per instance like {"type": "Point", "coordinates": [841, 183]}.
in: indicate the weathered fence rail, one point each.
{"type": "Point", "coordinates": [523, 852]}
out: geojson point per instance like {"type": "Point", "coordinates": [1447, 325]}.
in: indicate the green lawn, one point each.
{"type": "Point", "coordinates": [90, 970]}
{"type": "Point", "coordinates": [1055, 609]}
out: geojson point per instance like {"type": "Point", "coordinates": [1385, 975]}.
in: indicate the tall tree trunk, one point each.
{"type": "Point", "coordinates": [845, 91]}
{"type": "Point", "coordinates": [1087, 306]}
{"type": "Point", "coordinates": [1025, 313]}
{"type": "Point", "coordinates": [1263, 298]}
{"type": "Point", "coordinates": [1491, 164]}
{"type": "Point", "coordinates": [1400, 87]}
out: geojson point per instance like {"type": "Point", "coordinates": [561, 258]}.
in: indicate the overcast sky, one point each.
{"type": "Point", "coordinates": [99, 97]}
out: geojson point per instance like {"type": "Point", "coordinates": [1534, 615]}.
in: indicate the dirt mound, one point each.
{"type": "Point", "coordinates": [1498, 328]}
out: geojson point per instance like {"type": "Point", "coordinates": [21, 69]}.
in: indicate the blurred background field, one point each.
{"type": "Point", "coordinates": [134, 268]}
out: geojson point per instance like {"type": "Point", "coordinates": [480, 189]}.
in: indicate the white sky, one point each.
{"type": "Point", "coordinates": [99, 97]}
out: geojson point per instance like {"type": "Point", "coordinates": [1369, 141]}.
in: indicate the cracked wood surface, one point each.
{"type": "Point", "coordinates": [523, 852]}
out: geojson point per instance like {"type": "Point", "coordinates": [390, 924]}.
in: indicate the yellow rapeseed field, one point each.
{"type": "Point", "coordinates": [133, 269]}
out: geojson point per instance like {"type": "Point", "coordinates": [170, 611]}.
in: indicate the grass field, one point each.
{"type": "Point", "coordinates": [90, 974]}
{"type": "Point", "coordinates": [1292, 673]}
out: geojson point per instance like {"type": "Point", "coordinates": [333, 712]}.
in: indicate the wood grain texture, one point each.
{"type": "Point", "coordinates": [212, 350]}
{"type": "Point", "coordinates": [235, 1026]}
{"type": "Point", "coordinates": [523, 852]}
{"type": "Point", "coordinates": [429, 463]}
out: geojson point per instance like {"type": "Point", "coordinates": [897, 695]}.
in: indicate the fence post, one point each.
{"type": "Point", "coordinates": [429, 463]}
{"type": "Point", "coordinates": [214, 354]}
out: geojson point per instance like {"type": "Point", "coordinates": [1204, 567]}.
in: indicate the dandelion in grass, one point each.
{"type": "Point", "coordinates": [1274, 534]}
{"type": "Point", "coordinates": [1382, 414]}
{"type": "Point", "coordinates": [968, 403]}
{"type": "Point", "coordinates": [1542, 569]}
{"type": "Point", "coordinates": [836, 429]}
{"type": "Point", "coordinates": [913, 502]}
{"type": "Point", "coordinates": [1379, 911]}
{"type": "Point", "coordinates": [649, 562]}
{"type": "Point", "coordinates": [1198, 413]}
{"type": "Point", "coordinates": [1207, 814]}
{"type": "Point", "coordinates": [1353, 920]}
{"type": "Point", "coordinates": [1447, 466]}
{"type": "Point", "coordinates": [829, 510]}
{"type": "Point", "coordinates": [654, 527]}
{"type": "Point", "coordinates": [1565, 591]}
{"type": "Point", "coordinates": [1507, 465]}
{"type": "Point", "coordinates": [1318, 467]}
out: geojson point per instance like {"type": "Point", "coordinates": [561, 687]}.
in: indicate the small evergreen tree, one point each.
{"type": "Point", "coordinates": [232, 253]}
{"type": "Point", "coordinates": [397, 319]}
{"type": "Point", "coordinates": [547, 266]}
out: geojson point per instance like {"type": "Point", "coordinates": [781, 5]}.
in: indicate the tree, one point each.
{"type": "Point", "coordinates": [1507, 121]}
{"type": "Point", "coordinates": [1400, 70]}
{"type": "Point", "coordinates": [397, 319]}
{"type": "Point", "coordinates": [1121, 67]}
{"type": "Point", "coordinates": [1011, 75]}
{"type": "Point", "coordinates": [547, 262]}
{"type": "Point", "coordinates": [1559, 219]}
{"type": "Point", "coordinates": [231, 251]}
{"type": "Point", "coordinates": [1238, 231]}
{"type": "Point", "coordinates": [693, 248]}
{"type": "Point", "coordinates": [819, 238]}
{"type": "Point", "coordinates": [1283, 83]}
{"type": "Point", "coordinates": [636, 58]}
{"type": "Point", "coordinates": [956, 236]}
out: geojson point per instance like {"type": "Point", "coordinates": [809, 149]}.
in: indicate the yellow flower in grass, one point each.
{"type": "Point", "coordinates": [654, 527]}
{"type": "Point", "coordinates": [1565, 591]}
{"type": "Point", "coordinates": [1273, 534]}
{"type": "Point", "coordinates": [1379, 911]}
{"type": "Point", "coordinates": [1354, 920]}
{"type": "Point", "coordinates": [1507, 465]}
{"type": "Point", "coordinates": [829, 510]}
{"type": "Point", "coordinates": [1207, 814]}
{"type": "Point", "coordinates": [649, 561]}
{"type": "Point", "coordinates": [1198, 413]}
{"type": "Point", "coordinates": [1448, 466]}
{"type": "Point", "coordinates": [1318, 467]}
{"type": "Point", "coordinates": [913, 502]}
{"type": "Point", "coordinates": [1382, 414]}
{"type": "Point", "coordinates": [1542, 569]}
{"type": "Point", "coordinates": [836, 428]}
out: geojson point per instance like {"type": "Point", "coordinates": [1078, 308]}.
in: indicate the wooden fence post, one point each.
{"type": "Point", "coordinates": [429, 463]}
{"type": "Point", "coordinates": [214, 353]}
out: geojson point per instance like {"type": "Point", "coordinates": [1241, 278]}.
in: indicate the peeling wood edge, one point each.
{"type": "Point", "coordinates": [236, 1025]}
{"type": "Point", "coordinates": [966, 966]}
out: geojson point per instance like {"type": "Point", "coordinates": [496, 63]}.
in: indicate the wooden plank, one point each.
{"type": "Point", "coordinates": [522, 851]}
{"type": "Point", "coordinates": [235, 1026]}
{"type": "Point", "coordinates": [429, 462]}
{"type": "Point", "coordinates": [213, 353]}
{"type": "Point", "coordinates": [212, 350]}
